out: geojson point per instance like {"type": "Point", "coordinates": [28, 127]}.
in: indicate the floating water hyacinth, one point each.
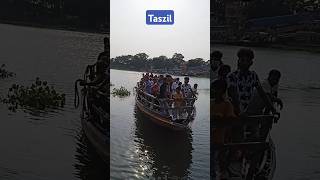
{"type": "Point", "coordinates": [121, 92]}
{"type": "Point", "coordinates": [4, 73]}
{"type": "Point", "coordinates": [38, 96]}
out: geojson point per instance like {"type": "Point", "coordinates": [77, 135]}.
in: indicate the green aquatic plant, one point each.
{"type": "Point", "coordinates": [38, 96]}
{"type": "Point", "coordinates": [121, 92]}
{"type": "Point", "coordinates": [4, 73]}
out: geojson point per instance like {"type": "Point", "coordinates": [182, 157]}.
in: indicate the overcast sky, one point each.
{"type": "Point", "coordinates": [190, 35]}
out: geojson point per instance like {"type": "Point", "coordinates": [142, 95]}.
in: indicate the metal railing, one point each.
{"type": "Point", "coordinates": [165, 106]}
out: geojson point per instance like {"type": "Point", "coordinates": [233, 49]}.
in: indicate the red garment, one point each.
{"type": "Point", "coordinates": [155, 89]}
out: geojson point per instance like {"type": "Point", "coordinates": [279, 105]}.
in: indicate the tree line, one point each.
{"type": "Point", "coordinates": [89, 14]}
{"type": "Point", "coordinates": [142, 62]}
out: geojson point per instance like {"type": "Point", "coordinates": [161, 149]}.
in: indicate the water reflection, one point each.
{"type": "Point", "coordinates": [88, 164]}
{"type": "Point", "coordinates": [168, 153]}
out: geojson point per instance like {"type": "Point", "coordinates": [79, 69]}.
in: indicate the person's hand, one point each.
{"type": "Point", "coordinates": [279, 102]}
{"type": "Point", "coordinates": [276, 117]}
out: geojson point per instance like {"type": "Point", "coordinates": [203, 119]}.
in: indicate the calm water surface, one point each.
{"type": "Point", "coordinates": [297, 134]}
{"type": "Point", "coordinates": [47, 145]}
{"type": "Point", "coordinates": [143, 150]}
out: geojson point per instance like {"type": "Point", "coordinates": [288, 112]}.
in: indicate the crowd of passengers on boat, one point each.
{"type": "Point", "coordinates": [170, 93]}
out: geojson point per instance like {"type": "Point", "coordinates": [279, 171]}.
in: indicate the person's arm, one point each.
{"type": "Point", "coordinates": [276, 100]}
{"type": "Point", "coordinates": [266, 99]}
{"type": "Point", "coordinates": [193, 94]}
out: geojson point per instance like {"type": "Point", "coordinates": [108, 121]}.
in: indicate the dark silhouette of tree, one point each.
{"type": "Point", "coordinates": [141, 62]}
{"type": "Point", "coordinates": [177, 57]}
{"type": "Point", "coordinates": [196, 62]}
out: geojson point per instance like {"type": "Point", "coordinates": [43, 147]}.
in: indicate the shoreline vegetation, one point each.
{"type": "Point", "coordinates": [175, 65]}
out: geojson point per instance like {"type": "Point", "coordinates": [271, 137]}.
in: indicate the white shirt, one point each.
{"type": "Point", "coordinates": [174, 86]}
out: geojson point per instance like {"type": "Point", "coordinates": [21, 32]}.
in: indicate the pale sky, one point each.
{"type": "Point", "coordinates": [190, 34]}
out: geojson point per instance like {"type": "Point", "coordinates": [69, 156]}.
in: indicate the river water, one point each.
{"type": "Point", "coordinates": [46, 145]}
{"type": "Point", "coordinates": [296, 134]}
{"type": "Point", "coordinates": [140, 149]}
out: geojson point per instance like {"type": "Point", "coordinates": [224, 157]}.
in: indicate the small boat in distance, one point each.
{"type": "Point", "coordinates": [166, 116]}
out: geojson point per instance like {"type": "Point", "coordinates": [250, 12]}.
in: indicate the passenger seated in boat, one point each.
{"type": "Point", "coordinates": [178, 102]}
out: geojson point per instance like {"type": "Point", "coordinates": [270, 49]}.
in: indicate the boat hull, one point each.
{"type": "Point", "coordinates": [97, 139]}
{"type": "Point", "coordinates": [160, 120]}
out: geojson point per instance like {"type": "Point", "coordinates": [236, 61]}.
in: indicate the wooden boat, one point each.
{"type": "Point", "coordinates": [167, 117]}
{"type": "Point", "coordinates": [259, 159]}
{"type": "Point", "coordinates": [95, 114]}
{"type": "Point", "coordinates": [97, 135]}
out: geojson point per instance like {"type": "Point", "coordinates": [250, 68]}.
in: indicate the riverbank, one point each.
{"type": "Point", "coordinates": [54, 27]}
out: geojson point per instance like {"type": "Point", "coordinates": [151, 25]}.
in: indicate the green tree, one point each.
{"type": "Point", "coordinates": [196, 62]}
